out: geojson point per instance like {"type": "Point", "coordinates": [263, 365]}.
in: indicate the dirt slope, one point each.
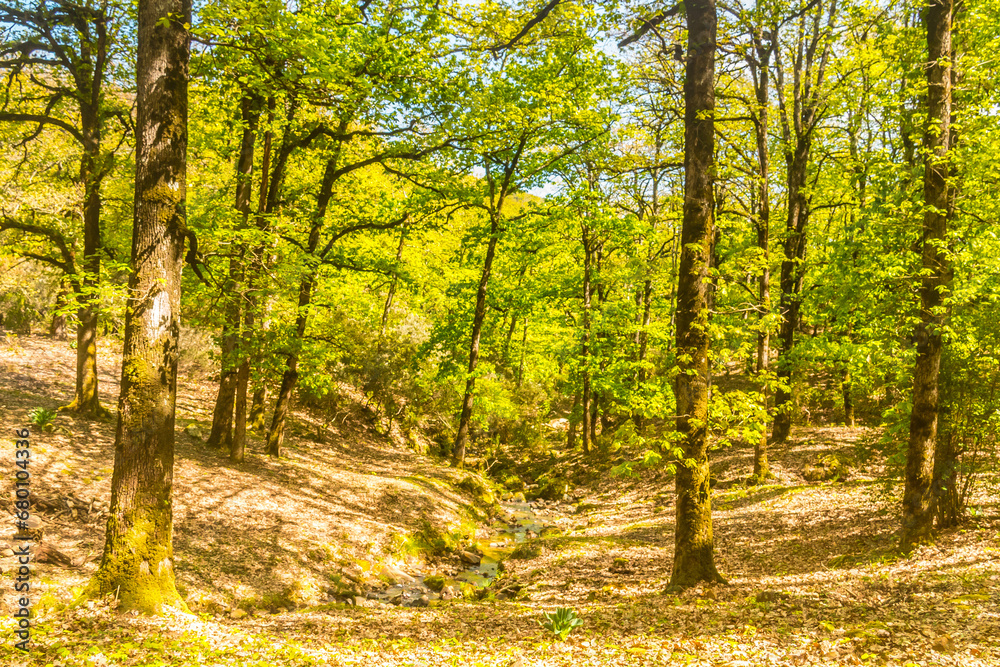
{"type": "Point", "coordinates": [813, 578]}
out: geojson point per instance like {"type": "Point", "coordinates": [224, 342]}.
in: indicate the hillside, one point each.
{"type": "Point", "coordinates": [329, 556]}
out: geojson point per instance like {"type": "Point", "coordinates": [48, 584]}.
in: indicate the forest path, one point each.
{"type": "Point", "coordinates": [813, 578]}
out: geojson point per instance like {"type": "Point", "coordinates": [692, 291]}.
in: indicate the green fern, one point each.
{"type": "Point", "coordinates": [42, 418]}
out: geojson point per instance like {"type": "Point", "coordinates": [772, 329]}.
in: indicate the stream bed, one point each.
{"type": "Point", "coordinates": [518, 523]}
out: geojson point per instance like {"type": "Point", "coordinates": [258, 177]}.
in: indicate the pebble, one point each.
{"type": "Point", "coordinates": [396, 576]}
{"type": "Point", "coordinates": [469, 557]}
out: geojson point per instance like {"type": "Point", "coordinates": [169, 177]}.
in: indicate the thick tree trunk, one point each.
{"type": "Point", "coordinates": [694, 556]}
{"type": "Point", "coordinates": [222, 418]}
{"type": "Point", "coordinates": [462, 439]}
{"type": "Point", "coordinates": [137, 564]}
{"type": "Point", "coordinates": [918, 496]}
{"type": "Point", "coordinates": [290, 377]}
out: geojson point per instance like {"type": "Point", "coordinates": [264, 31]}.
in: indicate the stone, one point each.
{"type": "Point", "coordinates": [236, 614]}
{"type": "Point", "coordinates": [469, 557]}
{"type": "Point", "coordinates": [449, 593]}
{"type": "Point", "coordinates": [395, 576]}
{"type": "Point", "coordinates": [434, 582]}
{"type": "Point", "coordinates": [7, 552]}
{"type": "Point", "coordinates": [193, 432]}
{"type": "Point", "coordinates": [421, 601]}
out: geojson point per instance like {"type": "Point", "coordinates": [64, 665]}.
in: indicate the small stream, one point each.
{"type": "Point", "coordinates": [518, 523]}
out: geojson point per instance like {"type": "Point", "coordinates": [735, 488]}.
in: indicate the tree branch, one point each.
{"type": "Point", "coordinates": [538, 18]}
{"type": "Point", "coordinates": [649, 24]}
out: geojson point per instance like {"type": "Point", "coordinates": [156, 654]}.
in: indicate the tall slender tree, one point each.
{"type": "Point", "coordinates": [694, 555]}
{"type": "Point", "coordinates": [137, 564]}
{"type": "Point", "coordinates": [63, 51]}
{"type": "Point", "coordinates": [918, 496]}
{"type": "Point", "coordinates": [810, 58]}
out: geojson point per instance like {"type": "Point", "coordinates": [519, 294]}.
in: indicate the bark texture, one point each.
{"type": "Point", "coordinates": [918, 496]}
{"type": "Point", "coordinates": [760, 71]}
{"type": "Point", "coordinates": [694, 556]}
{"type": "Point", "coordinates": [137, 563]}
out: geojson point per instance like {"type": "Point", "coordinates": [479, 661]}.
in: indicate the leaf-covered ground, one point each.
{"type": "Point", "coordinates": [812, 575]}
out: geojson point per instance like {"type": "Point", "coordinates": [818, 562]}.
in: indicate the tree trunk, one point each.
{"type": "Point", "coordinates": [392, 288]}
{"type": "Point", "coordinates": [289, 378]}
{"type": "Point", "coordinates": [594, 411]}
{"type": "Point", "coordinates": [238, 445]}
{"type": "Point", "coordinates": [57, 328]}
{"type": "Point", "coordinates": [761, 71]}
{"type": "Point", "coordinates": [462, 439]}
{"type": "Point", "coordinates": [792, 274]}
{"type": "Point", "coordinates": [811, 55]}
{"type": "Point", "coordinates": [585, 348]}
{"type": "Point", "coordinates": [846, 385]}
{"type": "Point", "coordinates": [249, 308]}
{"type": "Point", "coordinates": [694, 557]}
{"type": "Point", "coordinates": [918, 496]}
{"type": "Point", "coordinates": [524, 349]}
{"type": "Point", "coordinates": [571, 431]}
{"type": "Point", "coordinates": [948, 505]}
{"type": "Point", "coordinates": [86, 399]}
{"type": "Point", "coordinates": [222, 417]}
{"type": "Point", "coordinates": [137, 564]}
{"type": "Point", "coordinates": [638, 418]}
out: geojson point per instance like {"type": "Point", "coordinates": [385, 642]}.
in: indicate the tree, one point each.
{"type": "Point", "coordinates": [137, 563]}
{"type": "Point", "coordinates": [918, 496]}
{"type": "Point", "coordinates": [531, 113]}
{"type": "Point", "coordinates": [43, 43]}
{"type": "Point", "coordinates": [694, 556]}
{"type": "Point", "coordinates": [811, 57]}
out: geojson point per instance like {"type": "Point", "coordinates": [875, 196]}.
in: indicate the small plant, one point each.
{"type": "Point", "coordinates": [42, 418]}
{"type": "Point", "coordinates": [561, 622]}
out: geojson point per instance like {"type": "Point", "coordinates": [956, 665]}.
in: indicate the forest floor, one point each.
{"type": "Point", "coordinates": [813, 577]}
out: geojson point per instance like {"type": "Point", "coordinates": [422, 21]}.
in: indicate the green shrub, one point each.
{"type": "Point", "coordinates": [561, 622]}
{"type": "Point", "coordinates": [42, 418]}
